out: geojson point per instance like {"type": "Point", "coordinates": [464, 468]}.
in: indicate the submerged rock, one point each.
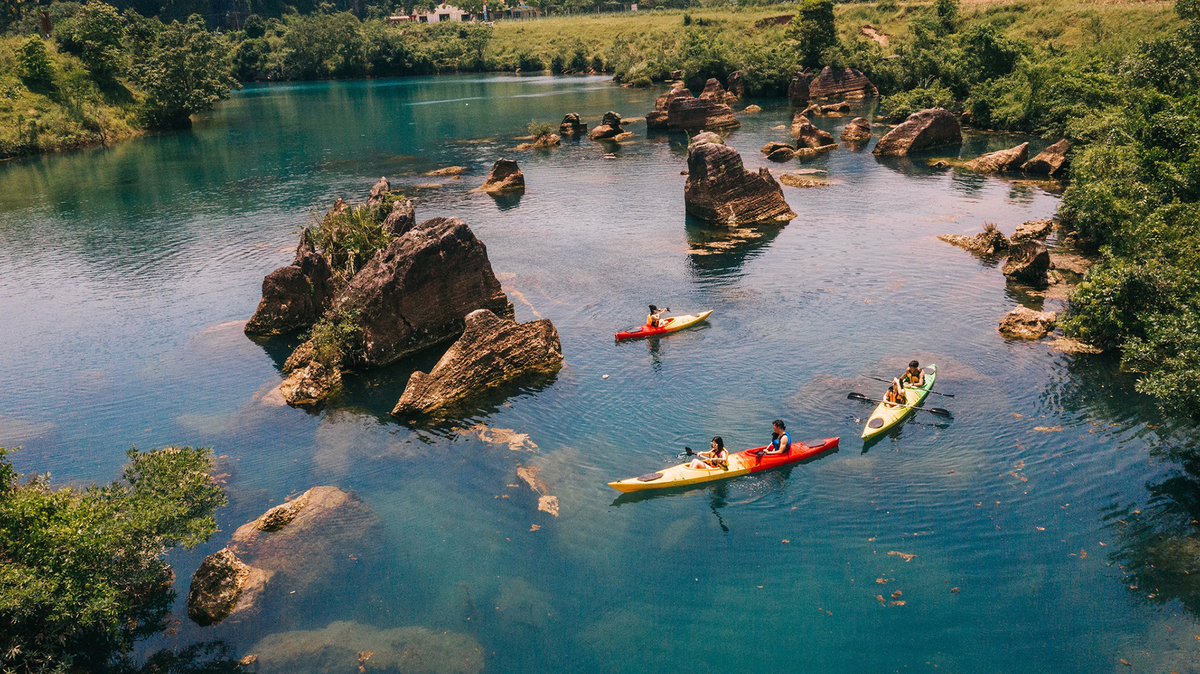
{"type": "Point", "coordinates": [505, 176]}
{"type": "Point", "coordinates": [810, 152]}
{"type": "Point", "coordinates": [720, 189]}
{"type": "Point", "coordinates": [989, 243]}
{"type": "Point", "coordinates": [751, 109]}
{"type": "Point", "coordinates": [935, 127]}
{"type": "Point", "coordinates": [572, 126]}
{"type": "Point", "coordinates": [785, 153]}
{"type": "Point", "coordinates": [774, 145]}
{"type": "Point", "coordinates": [491, 351]}
{"type": "Point", "coordinates": [857, 131]}
{"type": "Point", "coordinates": [294, 296]}
{"type": "Point", "coordinates": [997, 162]}
{"type": "Point", "coordinates": [842, 108]}
{"type": "Point", "coordinates": [1024, 323]}
{"type": "Point", "coordinates": [610, 126]}
{"type": "Point", "coordinates": [414, 293]}
{"type": "Point", "coordinates": [1034, 229]}
{"type": "Point", "coordinates": [297, 544]}
{"type": "Point", "coordinates": [355, 647]}
{"type": "Point", "coordinates": [1049, 162]}
{"type": "Point", "coordinates": [802, 180]}
{"type": "Point", "coordinates": [1028, 262]}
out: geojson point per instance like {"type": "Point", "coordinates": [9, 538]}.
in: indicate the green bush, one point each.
{"type": "Point", "coordinates": [95, 36]}
{"type": "Point", "coordinates": [349, 238]}
{"type": "Point", "coordinates": [335, 338]}
{"type": "Point", "coordinates": [36, 70]}
{"type": "Point", "coordinates": [557, 64]}
{"type": "Point", "coordinates": [83, 576]}
{"type": "Point", "coordinates": [188, 72]}
{"type": "Point", "coordinates": [814, 30]}
{"type": "Point", "coordinates": [899, 106]}
{"type": "Point", "coordinates": [539, 130]}
{"type": "Point", "coordinates": [530, 62]}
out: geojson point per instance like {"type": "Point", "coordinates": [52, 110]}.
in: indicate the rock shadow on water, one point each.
{"type": "Point", "coordinates": [507, 201]}
{"type": "Point", "coordinates": [480, 404]}
{"type": "Point", "coordinates": [720, 252]}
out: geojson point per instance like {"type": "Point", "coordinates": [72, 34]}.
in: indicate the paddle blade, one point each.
{"type": "Point", "coordinates": [856, 396]}
{"type": "Point", "coordinates": [939, 411]}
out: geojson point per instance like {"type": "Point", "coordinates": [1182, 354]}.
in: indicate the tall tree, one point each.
{"type": "Point", "coordinates": [187, 72]}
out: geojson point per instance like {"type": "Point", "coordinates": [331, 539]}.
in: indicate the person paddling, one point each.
{"type": "Point", "coordinates": [780, 442]}
{"type": "Point", "coordinates": [717, 457]}
{"type": "Point", "coordinates": [654, 318]}
{"type": "Point", "coordinates": [914, 376]}
{"type": "Point", "coordinates": [895, 394]}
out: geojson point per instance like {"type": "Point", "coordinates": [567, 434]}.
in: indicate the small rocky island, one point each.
{"type": "Point", "coordinates": [924, 130]}
{"type": "Point", "coordinates": [401, 287]}
{"type": "Point", "coordinates": [678, 109]}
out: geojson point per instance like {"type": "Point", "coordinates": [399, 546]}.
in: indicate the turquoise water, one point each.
{"type": "Point", "coordinates": [125, 274]}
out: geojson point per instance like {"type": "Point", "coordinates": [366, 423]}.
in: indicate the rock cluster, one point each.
{"type": "Point", "coordinates": [830, 83]}
{"type": "Point", "coordinates": [610, 127]}
{"type": "Point", "coordinates": [505, 176]}
{"type": "Point", "coordinates": [1028, 262]}
{"type": "Point", "coordinates": [716, 93]}
{"type": "Point", "coordinates": [490, 351]}
{"type": "Point", "coordinates": [572, 126]}
{"type": "Point", "coordinates": [294, 296]}
{"type": "Point", "coordinates": [678, 109]}
{"type": "Point", "coordinates": [720, 189]}
{"type": "Point", "coordinates": [1023, 323]}
{"type": "Point", "coordinates": [415, 292]}
{"type": "Point", "coordinates": [1011, 159]}
{"type": "Point", "coordinates": [296, 545]}
{"type": "Point", "coordinates": [924, 130]}
{"type": "Point", "coordinates": [1049, 162]}
{"type": "Point", "coordinates": [857, 131]}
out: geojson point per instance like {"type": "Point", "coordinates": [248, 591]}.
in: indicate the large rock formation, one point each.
{"type": "Point", "coordinates": [297, 545]}
{"type": "Point", "coordinates": [927, 129]}
{"type": "Point", "coordinates": [990, 243]}
{"type": "Point", "coordinates": [1023, 323]}
{"type": "Point", "coordinates": [720, 189]}
{"type": "Point", "coordinates": [716, 93]}
{"type": "Point", "coordinates": [491, 351]}
{"type": "Point", "coordinates": [354, 647]}
{"type": "Point", "coordinates": [505, 176]}
{"type": "Point", "coordinates": [997, 162]}
{"type": "Point", "coordinates": [401, 218]}
{"type": "Point", "coordinates": [830, 83]}
{"type": "Point", "coordinates": [610, 127]}
{"type": "Point", "coordinates": [294, 296]}
{"type": "Point", "coordinates": [1050, 162]}
{"type": "Point", "coordinates": [857, 131]}
{"type": "Point", "coordinates": [1028, 262]}
{"type": "Point", "coordinates": [572, 126]}
{"type": "Point", "coordinates": [678, 109]}
{"type": "Point", "coordinates": [414, 293]}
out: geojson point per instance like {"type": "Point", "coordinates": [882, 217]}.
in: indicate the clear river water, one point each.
{"type": "Point", "coordinates": [1029, 533]}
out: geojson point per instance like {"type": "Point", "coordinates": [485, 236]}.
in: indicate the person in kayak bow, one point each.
{"type": "Point", "coordinates": [914, 376]}
{"type": "Point", "coordinates": [895, 394]}
{"type": "Point", "coordinates": [654, 318]}
{"type": "Point", "coordinates": [717, 457]}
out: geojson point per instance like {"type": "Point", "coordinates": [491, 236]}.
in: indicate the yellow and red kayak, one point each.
{"type": "Point", "coordinates": [668, 325]}
{"type": "Point", "coordinates": [741, 463]}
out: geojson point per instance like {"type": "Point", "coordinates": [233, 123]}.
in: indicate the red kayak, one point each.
{"type": "Point", "coordinates": [741, 463]}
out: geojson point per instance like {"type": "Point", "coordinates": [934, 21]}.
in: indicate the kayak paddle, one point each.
{"type": "Point", "coordinates": [932, 410]}
{"type": "Point", "coordinates": [888, 381]}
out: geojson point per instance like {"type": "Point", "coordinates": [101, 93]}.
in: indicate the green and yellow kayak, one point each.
{"type": "Point", "coordinates": [887, 416]}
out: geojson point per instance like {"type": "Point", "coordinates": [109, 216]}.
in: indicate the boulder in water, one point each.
{"type": "Point", "coordinates": [705, 137]}
{"type": "Point", "coordinates": [990, 243]}
{"type": "Point", "coordinates": [927, 129]}
{"type": "Point", "coordinates": [1023, 323]}
{"type": "Point", "coordinates": [415, 292]}
{"type": "Point", "coordinates": [311, 383]}
{"type": "Point", "coordinates": [785, 153]}
{"type": "Point", "coordinates": [774, 145]}
{"type": "Point", "coordinates": [716, 93]}
{"type": "Point", "coordinates": [810, 136]}
{"type": "Point", "coordinates": [841, 83]}
{"type": "Point", "coordinates": [1049, 162]}
{"type": "Point", "coordinates": [610, 126]}
{"type": "Point", "coordinates": [1028, 262]}
{"type": "Point", "coordinates": [490, 351]}
{"type": "Point", "coordinates": [1034, 229]}
{"type": "Point", "coordinates": [998, 162]}
{"type": "Point", "coordinates": [857, 131]}
{"type": "Point", "coordinates": [572, 126]}
{"type": "Point", "coordinates": [720, 189]}
{"type": "Point", "coordinates": [678, 109]}
{"type": "Point", "coordinates": [294, 296]}
{"type": "Point", "coordinates": [224, 585]}
{"type": "Point", "coordinates": [505, 176]}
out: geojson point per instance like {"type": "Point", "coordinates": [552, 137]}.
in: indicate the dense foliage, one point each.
{"type": "Point", "coordinates": [1136, 193]}
{"type": "Point", "coordinates": [82, 574]}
